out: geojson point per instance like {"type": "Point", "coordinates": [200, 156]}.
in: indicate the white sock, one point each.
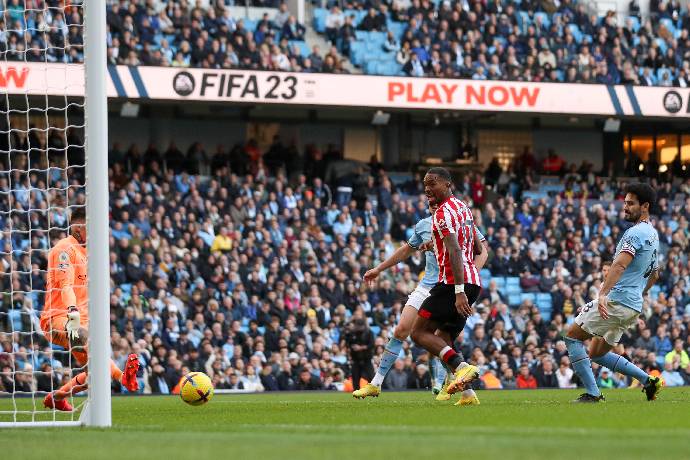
{"type": "Point", "coordinates": [377, 380]}
{"type": "Point", "coordinates": [461, 365]}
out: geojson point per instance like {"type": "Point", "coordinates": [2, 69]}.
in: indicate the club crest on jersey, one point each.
{"type": "Point", "coordinates": [63, 261]}
{"type": "Point", "coordinates": [441, 223]}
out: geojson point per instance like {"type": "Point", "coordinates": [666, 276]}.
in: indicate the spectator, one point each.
{"type": "Point", "coordinates": [525, 379]}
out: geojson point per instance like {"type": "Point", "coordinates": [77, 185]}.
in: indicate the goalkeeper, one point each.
{"type": "Point", "coordinates": [65, 318]}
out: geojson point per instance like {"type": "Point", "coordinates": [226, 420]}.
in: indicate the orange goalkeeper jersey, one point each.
{"type": "Point", "coordinates": [67, 269]}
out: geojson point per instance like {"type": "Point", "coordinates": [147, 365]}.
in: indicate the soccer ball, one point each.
{"type": "Point", "coordinates": [196, 388]}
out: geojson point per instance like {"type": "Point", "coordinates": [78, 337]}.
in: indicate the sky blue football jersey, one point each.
{"type": "Point", "coordinates": [642, 242]}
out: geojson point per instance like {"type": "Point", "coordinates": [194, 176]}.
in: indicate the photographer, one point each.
{"type": "Point", "coordinates": [360, 341]}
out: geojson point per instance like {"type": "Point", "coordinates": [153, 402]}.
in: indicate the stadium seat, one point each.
{"type": "Point", "coordinates": [302, 45]}
{"type": "Point", "coordinates": [485, 274]}
{"type": "Point", "coordinates": [528, 296]}
{"type": "Point", "coordinates": [512, 281]}
{"type": "Point", "coordinates": [249, 24]}
{"type": "Point", "coordinates": [662, 44]}
{"type": "Point", "coordinates": [513, 290]}
{"type": "Point", "coordinates": [544, 18]}
{"type": "Point", "coordinates": [500, 282]}
{"type": "Point", "coordinates": [320, 19]}
{"type": "Point", "coordinates": [514, 300]}
{"type": "Point", "coordinates": [635, 23]}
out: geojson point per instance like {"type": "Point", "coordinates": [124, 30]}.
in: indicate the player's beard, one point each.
{"type": "Point", "coordinates": [633, 217]}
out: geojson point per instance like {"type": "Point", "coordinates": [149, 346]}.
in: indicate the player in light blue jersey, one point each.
{"type": "Point", "coordinates": [633, 272]}
{"type": "Point", "coordinates": [420, 236]}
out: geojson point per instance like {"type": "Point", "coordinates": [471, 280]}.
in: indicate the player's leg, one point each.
{"type": "Point", "coordinates": [600, 351]}
{"type": "Point", "coordinates": [390, 353]}
{"type": "Point", "coordinates": [437, 309]}
{"type": "Point", "coordinates": [580, 331]}
{"type": "Point", "coordinates": [55, 332]}
{"type": "Point", "coordinates": [464, 373]}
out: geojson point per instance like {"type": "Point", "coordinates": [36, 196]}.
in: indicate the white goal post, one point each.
{"type": "Point", "coordinates": [27, 124]}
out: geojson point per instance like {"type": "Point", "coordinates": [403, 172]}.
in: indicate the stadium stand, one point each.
{"type": "Point", "coordinates": [519, 41]}
{"type": "Point", "coordinates": [252, 273]}
{"type": "Point", "coordinates": [515, 40]}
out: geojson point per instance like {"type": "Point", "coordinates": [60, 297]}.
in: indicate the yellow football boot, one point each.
{"type": "Point", "coordinates": [463, 378]}
{"type": "Point", "coordinates": [367, 390]}
{"type": "Point", "coordinates": [469, 400]}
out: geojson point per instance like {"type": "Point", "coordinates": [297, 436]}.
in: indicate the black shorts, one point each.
{"type": "Point", "coordinates": [440, 306]}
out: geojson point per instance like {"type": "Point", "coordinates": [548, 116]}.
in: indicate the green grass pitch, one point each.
{"type": "Point", "coordinates": [509, 424]}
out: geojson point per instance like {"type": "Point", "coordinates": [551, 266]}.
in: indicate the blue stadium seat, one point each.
{"type": "Point", "coordinates": [514, 300]}
{"type": "Point", "coordinates": [662, 44]}
{"type": "Point", "coordinates": [660, 74]}
{"type": "Point", "coordinates": [500, 282]}
{"type": "Point", "coordinates": [543, 297]}
{"type": "Point", "coordinates": [513, 290]}
{"type": "Point", "coordinates": [302, 45]}
{"type": "Point", "coordinates": [668, 23]}
{"type": "Point", "coordinates": [485, 275]}
{"type": "Point", "coordinates": [250, 24]}
{"type": "Point", "coordinates": [528, 296]}
{"type": "Point", "coordinates": [544, 18]}
{"type": "Point", "coordinates": [320, 19]}
{"type": "Point", "coordinates": [544, 305]}
{"type": "Point", "coordinates": [512, 281]}
{"type": "Point", "coordinates": [635, 23]}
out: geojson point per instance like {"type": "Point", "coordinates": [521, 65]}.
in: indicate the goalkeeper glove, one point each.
{"type": "Point", "coordinates": [72, 325]}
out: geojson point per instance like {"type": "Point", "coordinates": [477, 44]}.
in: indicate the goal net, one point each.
{"type": "Point", "coordinates": [44, 178]}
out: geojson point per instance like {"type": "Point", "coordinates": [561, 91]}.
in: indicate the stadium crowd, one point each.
{"type": "Point", "coordinates": [498, 40]}
{"type": "Point", "coordinates": [527, 41]}
{"type": "Point", "coordinates": [253, 274]}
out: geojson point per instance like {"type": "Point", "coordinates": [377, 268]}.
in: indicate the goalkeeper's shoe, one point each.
{"type": "Point", "coordinates": [60, 404]}
{"type": "Point", "coordinates": [367, 390]}
{"type": "Point", "coordinates": [652, 388]}
{"type": "Point", "coordinates": [463, 378]}
{"type": "Point", "coordinates": [129, 376]}
{"type": "Point", "coordinates": [468, 400]}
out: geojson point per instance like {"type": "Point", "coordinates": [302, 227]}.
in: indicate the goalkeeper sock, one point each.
{"type": "Point", "coordinates": [115, 372]}
{"type": "Point", "coordinates": [76, 384]}
{"type": "Point", "coordinates": [617, 363]}
{"type": "Point", "coordinates": [582, 365]}
{"type": "Point", "coordinates": [390, 354]}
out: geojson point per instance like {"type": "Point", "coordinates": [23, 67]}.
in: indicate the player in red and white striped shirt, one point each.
{"type": "Point", "coordinates": [455, 217]}
{"type": "Point", "coordinates": [450, 302]}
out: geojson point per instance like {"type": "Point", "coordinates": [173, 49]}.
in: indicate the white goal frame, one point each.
{"type": "Point", "coordinates": [97, 410]}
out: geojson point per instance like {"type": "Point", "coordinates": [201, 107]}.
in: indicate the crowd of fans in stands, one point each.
{"type": "Point", "coordinates": [253, 274]}
{"type": "Point", "coordinates": [461, 39]}
{"type": "Point", "coordinates": [531, 41]}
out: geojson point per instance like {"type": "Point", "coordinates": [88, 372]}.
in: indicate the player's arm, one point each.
{"type": "Point", "coordinates": [653, 277]}
{"type": "Point", "coordinates": [400, 254]}
{"type": "Point", "coordinates": [63, 277]}
{"type": "Point", "coordinates": [481, 251]}
{"type": "Point", "coordinates": [620, 263]}
{"type": "Point", "coordinates": [450, 242]}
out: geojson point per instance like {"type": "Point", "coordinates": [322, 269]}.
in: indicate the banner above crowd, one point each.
{"type": "Point", "coordinates": [308, 89]}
